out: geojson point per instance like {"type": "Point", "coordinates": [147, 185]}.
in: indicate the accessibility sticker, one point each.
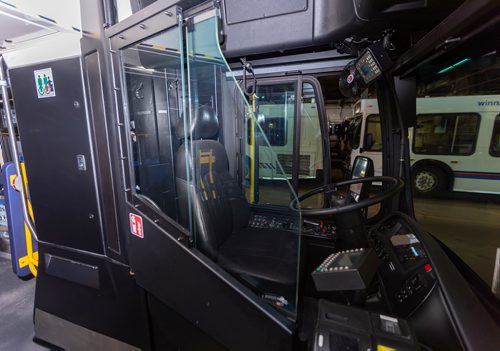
{"type": "Point", "coordinates": [44, 82]}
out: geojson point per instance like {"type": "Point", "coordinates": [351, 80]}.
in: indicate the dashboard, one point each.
{"type": "Point", "coordinates": [317, 229]}
{"type": "Point", "coordinates": [406, 274]}
{"type": "Point", "coordinates": [417, 281]}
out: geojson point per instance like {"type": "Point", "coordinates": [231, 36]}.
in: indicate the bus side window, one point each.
{"type": "Point", "coordinates": [495, 139]}
{"type": "Point", "coordinates": [446, 134]}
{"type": "Point", "coordinates": [373, 128]}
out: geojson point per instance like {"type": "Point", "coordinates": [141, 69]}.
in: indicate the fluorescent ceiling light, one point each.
{"type": "Point", "coordinates": [449, 68]}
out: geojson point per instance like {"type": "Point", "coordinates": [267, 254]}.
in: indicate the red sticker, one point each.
{"type": "Point", "coordinates": [136, 227]}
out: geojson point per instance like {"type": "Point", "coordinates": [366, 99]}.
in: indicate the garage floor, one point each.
{"type": "Point", "coordinates": [471, 228]}
{"type": "Point", "coordinates": [16, 310]}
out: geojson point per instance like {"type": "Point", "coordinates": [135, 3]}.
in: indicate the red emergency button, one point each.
{"type": "Point", "coordinates": [427, 267]}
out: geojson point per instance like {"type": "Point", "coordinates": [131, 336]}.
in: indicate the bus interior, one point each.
{"type": "Point", "coordinates": [198, 204]}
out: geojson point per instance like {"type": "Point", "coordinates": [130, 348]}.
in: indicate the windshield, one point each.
{"type": "Point", "coordinates": [198, 143]}
{"type": "Point", "coordinates": [454, 157]}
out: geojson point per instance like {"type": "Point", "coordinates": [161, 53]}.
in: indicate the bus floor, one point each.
{"type": "Point", "coordinates": [16, 310]}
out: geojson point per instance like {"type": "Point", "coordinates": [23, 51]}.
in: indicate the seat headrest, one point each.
{"type": "Point", "coordinates": [204, 124]}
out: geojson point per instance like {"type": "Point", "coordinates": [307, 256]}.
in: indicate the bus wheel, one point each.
{"type": "Point", "coordinates": [429, 181]}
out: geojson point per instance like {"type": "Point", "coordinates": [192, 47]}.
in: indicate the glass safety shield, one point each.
{"type": "Point", "coordinates": [225, 145]}
{"type": "Point", "coordinates": [154, 78]}
{"type": "Point", "coordinates": [193, 142]}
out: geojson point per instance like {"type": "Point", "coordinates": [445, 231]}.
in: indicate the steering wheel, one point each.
{"type": "Point", "coordinates": [397, 186]}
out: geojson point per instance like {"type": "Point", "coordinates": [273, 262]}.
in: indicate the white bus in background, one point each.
{"type": "Point", "coordinates": [454, 146]}
{"type": "Point", "coordinates": [277, 122]}
{"type": "Point", "coordinates": [366, 120]}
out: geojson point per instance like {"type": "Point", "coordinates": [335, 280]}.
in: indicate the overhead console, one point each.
{"type": "Point", "coordinates": [256, 26]}
{"type": "Point", "coordinates": [406, 274]}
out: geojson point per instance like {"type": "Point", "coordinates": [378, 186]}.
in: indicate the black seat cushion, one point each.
{"type": "Point", "coordinates": [266, 254]}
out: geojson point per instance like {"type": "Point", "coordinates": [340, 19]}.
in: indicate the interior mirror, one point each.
{"type": "Point", "coordinates": [368, 142]}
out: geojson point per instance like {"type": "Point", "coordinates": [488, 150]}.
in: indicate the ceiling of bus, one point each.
{"type": "Point", "coordinates": [16, 30]}
{"type": "Point", "coordinates": [24, 21]}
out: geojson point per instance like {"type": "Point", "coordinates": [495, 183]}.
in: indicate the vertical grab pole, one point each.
{"type": "Point", "coordinates": [13, 146]}
{"type": "Point", "coordinates": [252, 152]}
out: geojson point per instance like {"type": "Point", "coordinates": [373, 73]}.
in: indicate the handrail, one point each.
{"type": "Point", "coordinates": [13, 146]}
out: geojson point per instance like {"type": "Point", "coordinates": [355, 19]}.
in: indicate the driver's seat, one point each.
{"type": "Point", "coordinates": [221, 212]}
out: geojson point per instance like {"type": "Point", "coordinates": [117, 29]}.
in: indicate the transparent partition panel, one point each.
{"type": "Point", "coordinates": [234, 144]}
{"type": "Point", "coordinates": [153, 75]}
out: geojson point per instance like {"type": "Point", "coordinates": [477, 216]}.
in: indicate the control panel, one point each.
{"type": "Point", "coordinates": [409, 287]}
{"type": "Point", "coordinates": [346, 270]}
{"type": "Point", "coordinates": [319, 229]}
{"type": "Point", "coordinates": [408, 249]}
{"type": "Point", "coordinates": [341, 327]}
{"type": "Point", "coordinates": [372, 63]}
{"type": "Point", "coordinates": [271, 222]}
{"type": "Point", "coordinates": [406, 274]}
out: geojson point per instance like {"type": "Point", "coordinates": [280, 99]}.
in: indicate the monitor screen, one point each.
{"type": "Point", "coordinates": [368, 67]}
{"type": "Point", "coordinates": [350, 260]}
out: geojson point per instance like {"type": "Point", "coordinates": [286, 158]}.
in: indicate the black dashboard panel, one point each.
{"type": "Point", "coordinates": [406, 275]}
{"type": "Point", "coordinates": [444, 312]}
{"type": "Point", "coordinates": [316, 229]}
{"type": "Point", "coordinates": [417, 280]}
{"type": "Point", "coordinates": [409, 284]}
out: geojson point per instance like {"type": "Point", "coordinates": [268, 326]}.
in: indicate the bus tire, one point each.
{"type": "Point", "coordinates": [429, 181]}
